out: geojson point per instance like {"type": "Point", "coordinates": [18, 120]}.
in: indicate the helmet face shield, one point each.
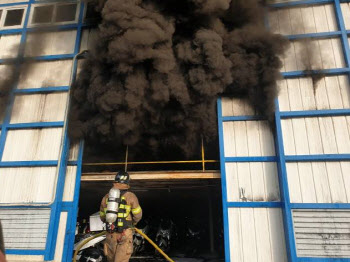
{"type": "Point", "coordinates": [122, 177]}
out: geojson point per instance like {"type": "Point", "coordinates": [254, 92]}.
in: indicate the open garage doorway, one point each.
{"type": "Point", "coordinates": [187, 205]}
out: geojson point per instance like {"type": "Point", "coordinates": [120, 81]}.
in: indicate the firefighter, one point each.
{"type": "Point", "coordinates": [118, 246]}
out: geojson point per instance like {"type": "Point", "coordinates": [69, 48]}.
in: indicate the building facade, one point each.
{"type": "Point", "coordinates": [285, 185]}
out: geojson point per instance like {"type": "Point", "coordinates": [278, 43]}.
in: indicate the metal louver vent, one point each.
{"type": "Point", "coordinates": [322, 232]}
{"type": "Point", "coordinates": [25, 228]}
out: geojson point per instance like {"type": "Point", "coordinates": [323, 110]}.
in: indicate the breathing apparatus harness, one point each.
{"type": "Point", "coordinates": [117, 211]}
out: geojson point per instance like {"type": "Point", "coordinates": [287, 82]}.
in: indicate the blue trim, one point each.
{"type": "Point", "coordinates": [298, 3]}
{"type": "Point", "coordinates": [52, 57]}
{"type": "Point", "coordinates": [70, 236]}
{"type": "Point", "coordinates": [242, 118]}
{"type": "Point", "coordinates": [42, 90]}
{"type": "Point", "coordinates": [56, 206]}
{"type": "Point", "coordinates": [283, 184]}
{"type": "Point", "coordinates": [315, 113]}
{"type": "Point", "coordinates": [251, 159]}
{"type": "Point", "coordinates": [13, 4]}
{"type": "Point", "coordinates": [32, 252]}
{"type": "Point", "coordinates": [326, 157]}
{"type": "Point", "coordinates": [255, 204]}
{"type": "Point", "coordinates": [36, 125]}
{"type": "Point", "coordinates": [327, 72]}
{"type": "Point", "coordinates": [316, 259]}
{"type": "Point", "coordinates": [43, 163]}
{"type": "Point", "coordinates": [223, 181]}
{"type": "Point", "coordinates": [67, 206]}
{"type": "Point", "coordinates": [315, 35]}
{"type": "Point", "coordinates": [344, 36]}
{"type": "Point", "coordinates": [11, 31]}
{"type": "Point", "coordinates": [320, 205]}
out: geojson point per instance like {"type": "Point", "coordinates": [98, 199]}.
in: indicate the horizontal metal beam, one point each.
{"type": "Point", "coordinates": [298, 3]}
{"type": "Point", "coordinates": [42, 90]}
{"type": "Point", "coordinates": [320, 205]}
{"type": "Point", "coordinates": [334, 71]}
{"type": "Point", "coordinates": [14, 4]}
{"type": "Point", "coordinates": [159, 175]}
{"type": "Point", "coordinates": [315, 35]}
{"type": "Point", "coordinates": [318, 158]}
{"type": "Point", "coordinates": [36, 125]}
{"type": "Point", "coordinates": [43, 163]}
{"type": "Point", "coordinates": [251, 159]}
{"type": "Point", "coordinates": [24, 252]}
{"type": "Point", "coordinates": [254, 204]}
{"type": "Point", "coordinates": [242, 118]}
{"type": "Point", "coordinates": [315, 113]}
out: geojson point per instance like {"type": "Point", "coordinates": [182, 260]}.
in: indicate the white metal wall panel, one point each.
{"type": "Point", "coordinates": [303, 20]}
{"type": "Point", "coordinates": [319, 182]}
{"type": "Point", "coordinates": [88, 38]}
{"type": "Point", "coordinates": [25, 228]}
{"type": "Point", "coordinates": [256, 235]}
{"type": "Point", "coordinates": [9, 45]}
{"type": "Point", "coordinates": [319, 53]}
{"type": "Point", "coordinates": [69, 184]}
{"type": "Point", "coordinates": [36, 144]}
{"type": "Point", "coordinates": [317, 135]}
{"type": "Point", "coordinates": [50, 43]}
{"type": "Point", "coordinates": [252, 182]}
{"type": "Point", "coordinates": [31, 184]}
{"type": "Point", "coordinates": [248, 138]}
{"type": "Point", "coordinates": [331, 92]}
{"type": "Point", "coordinates": [322, 233]}
{"type": "Point", "coordinates": [236, 107]}
{"type": "Point", "coordinates": [18, 258]}
{"type": "Point", "coordinates": [11, 1]}
{"type": "Point", "coordinates": [42, 74]}
{"type": "Point", "coordinates": [39, 108]}
{"type": "Point", "coordinates": [73, 152]}
{"type": "Point", "coordinates": [345, 8]}
{"type": "Point", "coordinates": [60, 237]}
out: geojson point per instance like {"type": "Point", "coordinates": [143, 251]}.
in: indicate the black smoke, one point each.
{"type": "Point", "coordinates": [153, 78]}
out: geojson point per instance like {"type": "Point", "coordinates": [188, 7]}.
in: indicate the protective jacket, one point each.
{"type": "Point", "coordinates": [118, 246]}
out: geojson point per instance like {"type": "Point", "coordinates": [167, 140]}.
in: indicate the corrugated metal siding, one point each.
{"type": "Point", "coordinates": [256, 235]}
{"type": "Point", "coordinates": [60, 237]}
{"type": "Point", "coordinates": [69, 184]}
{"type": "Point", "coordinates": [331, 92]}
{"type": "Point", "coordinates": [31, 184]}
{"type": "Point", "coordinates": [39, 108]}
{"type": "Point", "coordinates": [50, 43]}
{"type": "Point", "coordinates": [319, 182]}
{"type": "Point", "coordinates": [25, 228]}
{"type": "Point", "coordinates": [73, 152]}
{"type": "Point", "coordinates": [88, 38]}
{"type": "Point", "coordinates": [248, 138]}
{"type": "Point", "coordinates": [36, 144]}
{"type": "Point", "coordinates": [252, 182]}
{"type": "Point", "coordinates": [322, 233]}
{"type": "Point", "coordinates": [9, 46]}
{"type": "Point", "coordinates": [345, 8]}
{"type": "Point", "coordinates": [303, 20]}
{"type": "Point", "coordinates": [327, 53]}
{"type": "Point", "coordinates": [321, 135]}
{"type": "Point", "coordinates": [41, 74]}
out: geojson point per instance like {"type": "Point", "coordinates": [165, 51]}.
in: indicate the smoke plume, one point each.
{"type": "Point", "coordinates": [153, 78]}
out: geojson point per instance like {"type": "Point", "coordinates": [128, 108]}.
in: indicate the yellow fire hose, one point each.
{"type": "Point", "coordinates": [136, 229]}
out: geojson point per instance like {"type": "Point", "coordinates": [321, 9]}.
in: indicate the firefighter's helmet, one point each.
{"type": "Point", "coordinates": [122, 177]}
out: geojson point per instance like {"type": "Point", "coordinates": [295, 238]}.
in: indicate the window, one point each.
{"type": "Point", "coordinates": [12, 17]}
{"type": "Point", "coordinates": [54, 13]}
{"type": "Point", "coordinates": [42, 14]}
{"type": "Point", "coordinates": [66, 13]}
